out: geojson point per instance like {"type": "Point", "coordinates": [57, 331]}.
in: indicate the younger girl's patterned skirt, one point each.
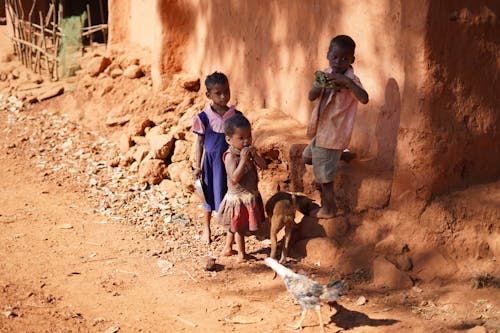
{"type": "Point", "coordinates": [241, 212]}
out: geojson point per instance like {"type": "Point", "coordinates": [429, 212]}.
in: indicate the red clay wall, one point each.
{"type": "Point", "coordinates": [270, 49]}
{"type": "Point", "coordinates": [450, 126]}
{"type": "Point", "coordinates": [425, 95]}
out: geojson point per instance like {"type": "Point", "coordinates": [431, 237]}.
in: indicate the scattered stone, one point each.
{"type": "Point", "coordinates": [116, 73]}
{"type": "Point", "coordinates": [137, 126]}
{"type": "Point", "coordinates": [361, 301]}
{"type": "Point", "coordinates": [126, 62]}
{"type": "Point", "coordinates": [139, 140]}
{"type": "Point", "coordinates": [97, 65]}
{"type": "Point", "coordinates": [117, 121]}
{"type": "Point", "coordinates": [208, 263]}
{"type": "Point", "coordinates": [9, 314]}
{"type": "Point", "coordinates": [140, 153]}
{"type": "Point", "coordinates": [164, 265]}
{"type": "Point", "coordinates": [133, 72]}
{"type": "Point", "coordinates": [182, 151]}
{"type": "Point", "coordinates": [124, 143]}
{"type": "Point", "coordinates": [112, 329]}
{"type": "Point", "coordinates": [169, 187]}
{"type": "Point", "coordinates": [152, 171]}
{"type": "Point", "coordinates": [51, 92]}
{"type": "Point", "coordinates": [161, 145]}
{"type": "Point", "coordinates": [175, 170]}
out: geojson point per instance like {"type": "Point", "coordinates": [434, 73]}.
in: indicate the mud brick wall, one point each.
{"type": "Point", "coordinates": [430, 68]}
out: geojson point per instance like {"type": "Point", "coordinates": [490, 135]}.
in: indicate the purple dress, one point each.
{"type": "Point", "coordinates": [211, 125]}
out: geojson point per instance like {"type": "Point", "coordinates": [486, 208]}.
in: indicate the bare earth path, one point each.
{"type": "Point", "coordinates": [64, 268]}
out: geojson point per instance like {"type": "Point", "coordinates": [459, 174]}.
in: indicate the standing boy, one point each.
{"type": "Point", "coordinates": [332, 119]}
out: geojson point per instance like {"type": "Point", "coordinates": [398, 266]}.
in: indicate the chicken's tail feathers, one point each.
{"type": "Point", "coordinates": [333, 290]}
{"type": "Point", "coordinates": [278, 268]}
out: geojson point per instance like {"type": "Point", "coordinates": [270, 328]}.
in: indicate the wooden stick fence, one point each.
{"type": "Point", "coordinates": [37, 39]}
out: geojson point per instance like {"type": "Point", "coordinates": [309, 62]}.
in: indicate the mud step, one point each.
{"type": "Point", "coordinates": [359, 185]}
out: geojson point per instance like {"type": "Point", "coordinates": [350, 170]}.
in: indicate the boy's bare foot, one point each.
{"type": "Point", "coordinates": [322, 214]}
{"type": "Point", "coordinates": [228, 253]}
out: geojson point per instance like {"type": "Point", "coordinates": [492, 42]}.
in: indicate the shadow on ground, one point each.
{"type": "Point", "coordinates": [347, 319]}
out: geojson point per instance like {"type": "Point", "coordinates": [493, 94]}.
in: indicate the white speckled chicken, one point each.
{"type": "Point", "coordinates": [309, 293]}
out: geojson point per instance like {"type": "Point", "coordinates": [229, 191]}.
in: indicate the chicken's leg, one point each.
{"type": "Point", "coordinates": [299, 323]}
{"type": "Point", "coordinates": [318, 311]}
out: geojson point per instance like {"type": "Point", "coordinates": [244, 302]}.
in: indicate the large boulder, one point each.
{"type": "Point", "coordinates": [161, 145]}
{"type": "Point", "coordinates": [182, 151]}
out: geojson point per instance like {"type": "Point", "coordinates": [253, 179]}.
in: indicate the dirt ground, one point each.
{"type": "Point", "coordinates": [69, 265]}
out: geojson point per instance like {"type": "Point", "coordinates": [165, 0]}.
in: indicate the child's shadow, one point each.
{"type": "Point", "coordinates": [347, 319]}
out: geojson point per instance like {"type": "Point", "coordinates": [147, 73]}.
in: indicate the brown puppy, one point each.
{"type": "Point", "coordinates": [280, 209]}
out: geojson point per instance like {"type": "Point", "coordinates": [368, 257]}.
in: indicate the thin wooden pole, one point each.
{"type": "Point", "coordinates": [49, 14]}
{"type": "Point", "coordinates": [31, 38]}
{"type": "Point", "coordinates": [103, 21]}
{"type": "Point", "coordinates": [90, 24]}
{"type": "Point", "coordinates": [54, 37]}
{"type": "Point", "coordinates": [44, 44]}
{"type": "Point", "coordinates": [19, 34]}
{"type": "Point", "coordinates": [58, 41]}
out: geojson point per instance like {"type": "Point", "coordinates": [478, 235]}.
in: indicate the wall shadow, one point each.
{"type": "Point", "coordinates": [387, 127]}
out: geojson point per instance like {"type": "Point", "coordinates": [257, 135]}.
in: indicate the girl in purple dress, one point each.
{"type": "Point", "coordinates": [211, 144]}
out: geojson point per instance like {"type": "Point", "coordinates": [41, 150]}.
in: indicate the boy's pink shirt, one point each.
{"type": "Point", "coordinates": [333, 125]}
{"type": "Point", "coordinates": [216, 121]}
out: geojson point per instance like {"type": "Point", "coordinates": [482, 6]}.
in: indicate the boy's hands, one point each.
{"type": "Point", "coordinates": [338, 79]}
{"type": "Point", "coordinates": [346, 83]}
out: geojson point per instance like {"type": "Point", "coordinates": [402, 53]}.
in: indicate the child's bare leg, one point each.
{"type": "Point", "coordinates": [228, 248]}
{"type": "Point", "coordinates": [206, 236]}
{"type": "Point", "coordinates": [240, 244]}
{"type": "Point", "coordinates": [328, 208]}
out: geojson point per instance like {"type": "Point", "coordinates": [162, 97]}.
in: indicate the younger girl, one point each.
{"type": "Point", "coordinates": [242, 209]}
{"type": "Point", "coordinates": [211, 144]}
